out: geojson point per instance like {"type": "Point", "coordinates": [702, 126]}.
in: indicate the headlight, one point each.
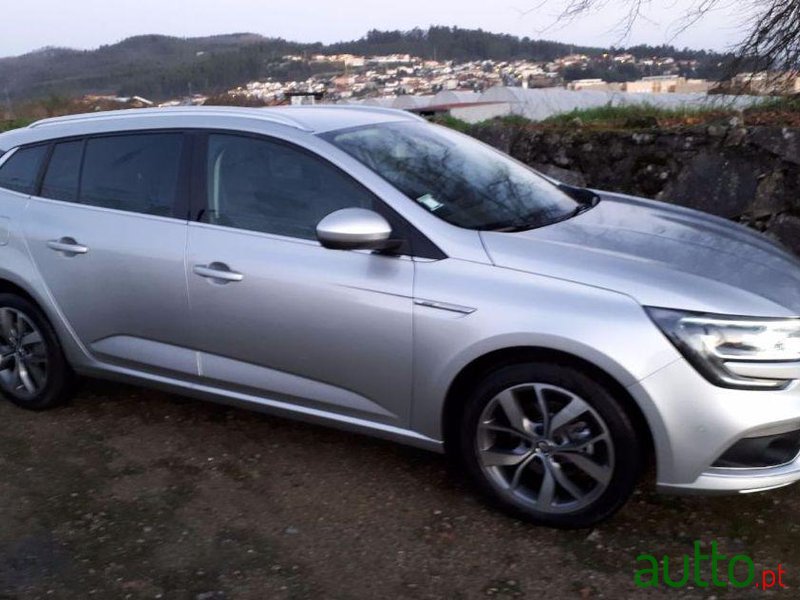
{"type": "Point", "coordinates": [735, 352]}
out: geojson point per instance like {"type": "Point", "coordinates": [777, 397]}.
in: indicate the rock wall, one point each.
{"type": "Point", "coordinates": [749, 174]}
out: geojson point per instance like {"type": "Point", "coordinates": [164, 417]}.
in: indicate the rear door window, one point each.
{"type": "Point", "coordinates": [137, 173]}
{"type": "Point", "coordinates": [21, 172]}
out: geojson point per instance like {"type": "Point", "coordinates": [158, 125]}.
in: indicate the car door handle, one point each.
{"type": "Point", "coordinates": [68, 246]}
{"type": "Point", "coordinates": [218, 271]}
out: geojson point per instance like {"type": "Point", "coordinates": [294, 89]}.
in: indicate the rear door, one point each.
{"type": "Point", "coordinates": [107, 231]}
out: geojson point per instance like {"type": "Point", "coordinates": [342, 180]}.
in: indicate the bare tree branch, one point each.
{"type": "Point", "coordinates": [774, 39]}
{"type": "Point", "coordinates": [771, 28]}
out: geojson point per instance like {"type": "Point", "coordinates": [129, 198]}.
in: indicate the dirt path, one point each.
{"type": "Point", "coordinates": [129, 493]}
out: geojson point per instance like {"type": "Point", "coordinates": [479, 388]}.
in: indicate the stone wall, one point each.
{"type": "Point", "coordinates": [749, 174]}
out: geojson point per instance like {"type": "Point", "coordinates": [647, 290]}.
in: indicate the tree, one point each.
{"type": "Point", "coordinates": [774, 40]}
{"type": "Point", "coordinates": [771, 42]}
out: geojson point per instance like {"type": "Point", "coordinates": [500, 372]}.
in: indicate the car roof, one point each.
{"type": "Point", "coordinates": [311, 119]}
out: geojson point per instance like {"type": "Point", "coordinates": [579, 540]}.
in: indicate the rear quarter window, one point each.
{"type": "Point", "coordinates": [61, 179]}
{"type": "Point", "coordinates": [21, 172]}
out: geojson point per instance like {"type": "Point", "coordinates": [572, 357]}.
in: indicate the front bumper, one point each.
{"type": "Point", "coordinates": [694, 423]}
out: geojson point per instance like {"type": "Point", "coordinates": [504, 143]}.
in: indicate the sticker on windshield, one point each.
{"type": "Point", "coordinates": [429, 202]}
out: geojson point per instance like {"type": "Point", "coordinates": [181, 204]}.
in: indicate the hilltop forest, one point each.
{"type": "Point", "coordinates": [161, 67]}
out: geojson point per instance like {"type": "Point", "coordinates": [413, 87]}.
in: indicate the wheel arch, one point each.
{"type": "Point", "coordinates": [9, 287]}
{"type": "Point", "coordinates": [49, 312]}
{"type": "Point", "coordinates": [480, 367]}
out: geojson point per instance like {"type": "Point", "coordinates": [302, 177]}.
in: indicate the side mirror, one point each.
{"type": "Point", "coordinates": [355, 229]}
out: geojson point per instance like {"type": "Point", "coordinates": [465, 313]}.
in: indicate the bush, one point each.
{"type": "Point", "coordinates": [8, 125]}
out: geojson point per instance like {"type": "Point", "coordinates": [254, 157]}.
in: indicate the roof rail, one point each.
{"type": "Point", "coordinates": [133, 113]}
{"type": "Point", "coordinates": [362, 108]}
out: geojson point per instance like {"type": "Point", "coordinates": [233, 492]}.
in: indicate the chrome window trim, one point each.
{"type": "Point", "coordinates": [4, 190]}
{"type": "Point", "coordinates": [104, 209]}
{"type": "Point", "coordinates": [6, 155]}
{"type": "Point", "coordinates": [274, 237]}
{"type": "Point", "coordinates": [254, 233]}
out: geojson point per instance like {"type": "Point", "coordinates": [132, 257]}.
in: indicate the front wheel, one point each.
{"type": "Point", "coordinates": [548, 444]}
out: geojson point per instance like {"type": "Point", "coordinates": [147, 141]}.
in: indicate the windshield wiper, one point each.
{"type": "Point", "coordinates": [579, 194]}
{"type": "Point", "coordinates": [516, 226]}
{"type": "Point", "coordinates": [586, 205]}
{"type": "Point", "coordinates": [509, 226]}
{"type": "Point", "coordinates": [585, 198]}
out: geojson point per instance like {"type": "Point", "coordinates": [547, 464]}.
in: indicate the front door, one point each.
{"type": "Point", "coordinates": [277, 315]}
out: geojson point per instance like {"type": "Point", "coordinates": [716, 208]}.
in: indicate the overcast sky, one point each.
{"type": "Point", "coordinates": [32, 24]}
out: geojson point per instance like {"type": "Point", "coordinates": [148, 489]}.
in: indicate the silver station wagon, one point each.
{"type": "Point", "coordinates": [362, 268]}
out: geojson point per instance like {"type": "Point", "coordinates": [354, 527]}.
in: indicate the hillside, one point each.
{"type": "Point", "coordinates": [155, 65]}
{"type": "Point", "coordinates": [161, 67]}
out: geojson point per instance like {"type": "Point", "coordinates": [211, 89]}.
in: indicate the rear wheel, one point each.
{"type": "Point", "coordinates": [549, 444]}
{"type": "Point", "coordinates": [33, 371]}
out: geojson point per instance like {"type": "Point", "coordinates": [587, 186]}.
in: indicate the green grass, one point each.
{"type": "Point", "coordinates": [511, 121]}
{"type": "Point", "coordinates": [641, 115]}
{"type": "Point", "coordinates": [514, 120]}
{"type": "Point", "coordinates": [777, 111]}
{"type": "Point", "coordinates": [789, 104]}
{"type": "Point", "coordinates": [452, 123]}
{"type": "Point", "coordinates": [14, 124]}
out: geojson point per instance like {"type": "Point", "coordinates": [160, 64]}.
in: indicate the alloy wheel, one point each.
{"type": "Point", "coordinates": [23, 354]}
{"type": "Point", "coordinates": [544, 447]}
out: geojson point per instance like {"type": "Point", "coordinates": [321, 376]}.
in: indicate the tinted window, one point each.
{"type": "Point", "coordinates": [455, 177]}
{"type": "Point", "coordinates": [268, 186]}
{"type": "Point", "coordinates": [19, 173]}
{"type": "Point", "coordinates": [138, 173]}
{"type": "Point", "coordinates": [61, 179]}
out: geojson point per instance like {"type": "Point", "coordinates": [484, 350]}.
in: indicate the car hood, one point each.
{"type": "Point", "coordinates": [661, 255]}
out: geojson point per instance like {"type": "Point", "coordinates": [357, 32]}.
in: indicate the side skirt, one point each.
{"type": "Point", "coordinates": [266, 405]}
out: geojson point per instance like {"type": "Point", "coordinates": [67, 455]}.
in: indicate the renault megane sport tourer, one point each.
{"type": "Point", "coordinates": [362, 268]}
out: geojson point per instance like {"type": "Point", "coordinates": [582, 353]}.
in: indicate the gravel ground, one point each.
{"type": "Point", "coordinates": [129, 493]}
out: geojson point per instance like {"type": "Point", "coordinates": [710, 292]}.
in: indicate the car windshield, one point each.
{"type": "Point", "coordinates": [457, 178]}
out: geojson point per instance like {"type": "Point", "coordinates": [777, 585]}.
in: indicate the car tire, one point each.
{"type": "Point", "coordinates": [548, 444]}
{"type": "Point", "coordinates": [34, 373]}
